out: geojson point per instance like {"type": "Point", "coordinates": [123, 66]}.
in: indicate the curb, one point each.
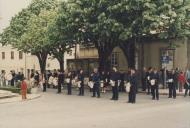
{"type": "Point", "coordinates": [18, 99]}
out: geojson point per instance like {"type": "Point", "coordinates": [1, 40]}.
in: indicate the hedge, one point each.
{"type": "Point", "coordinates": [14, 89]}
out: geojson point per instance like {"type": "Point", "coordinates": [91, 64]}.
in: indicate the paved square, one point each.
{"type": "Point", "coordinates": [61, 111]}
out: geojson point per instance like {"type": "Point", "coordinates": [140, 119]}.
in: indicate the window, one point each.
{"type": "Point", "coordinates": [114, 59]}
{"type": "Point", "coordinates": [3, 55]}
{"type": "Point", "coordinates": [20, 55]}
{"type": "Point", "coordinates": [12, 55]}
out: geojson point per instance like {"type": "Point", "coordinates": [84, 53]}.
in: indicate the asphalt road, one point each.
{"type": "Point", "coordinates": [62, 111]}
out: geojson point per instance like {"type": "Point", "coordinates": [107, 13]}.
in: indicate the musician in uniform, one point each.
{"type": "Point", "coordinates": [103, 81]}
{"type": "Point", "coordinates": [148, 80]}
{"type": "Point", "coordinates": [69, 84]}
{"type": "Point", "coordinates": [172, 88]}
{"type": "Point", "coordinates": [60, 80]}
{"type": "Point", "coordinates": [81, 79]}
{"type": "Point", "coordinates": [115, 77]}
{"type": "Point", "coordinates": [133, 85]}
{"type": "Point", "coordinates": [154, 81]}
{"type": "Point", "coordinates": [96, 81]}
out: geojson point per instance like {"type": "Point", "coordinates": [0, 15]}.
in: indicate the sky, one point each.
{"type": "Point", "coordinates": [8, 8]}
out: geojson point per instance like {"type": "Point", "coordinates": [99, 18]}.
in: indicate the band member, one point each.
{"type": "Point", "coordinates": [144, 79]}
{"type": "Point", "coordinates": [107, 79]}
{"type": "Point", "coordinates": [43, 82]}
{"type": "Point", "coordinates": [148, 80]}
{"type": "Point", "coordinates": [96, 80]}
{"type": "Point", "coordinates": [115, 77]}
{"type": "Point", "coordinates": [103, 81]}
{"type": "Point", "coordinates": [81, 79]}
{"type": "Point", "coordinates": [172, 77]}
{"type": "Point", "coordinates": [154, 80]}
{"type": "Point", "coordinates": [187, 84]}
{"type": "Point", "coordinates": [60, 80]}
{"type": "Point", "coordinates": [133, 83]}
{"type": "Point", "coordinates": [68, 81]}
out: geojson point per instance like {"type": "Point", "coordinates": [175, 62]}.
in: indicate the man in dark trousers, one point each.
{"type": "Point", "coordinates": [96, 80]}
{"type": "Point", "coordinates": [144, 79]}
{"type": "Point", "coordinates": [81, 79]}
{"type": "Point", "coordinates": [133, 83]}
{"type": "Point", "coordinates": [148, 80]}
{"type": "Point", "coordinates": [154, 82]}
{"type": "Point", "coordinates": [60, 80]}
{"type": "Point", "coordinates": [172, 78]}
{"type": "Point", "coordinates": [115, 77]}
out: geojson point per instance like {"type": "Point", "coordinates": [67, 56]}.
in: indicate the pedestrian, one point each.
{"type": "Point", "coordinates": [96, 80]}
{"type": "Point", "coordinates": [23, 89]}
{"type": "Point", "coordinates": [133, 85]}
{"type": "Point", "coordinates": [181, 80]}
{"type": "Point", "coordinates": [3, 80]}
{"type": "Point", "coordinates": [172, 78]}
{"type": "Point", "coordinates": [81, 82]}
{"type": "Point", "coordinates": [114, 81]}
{"type": "Point", "coordinates": [154, 82]}
{"type": "Point", "coordinates": [68, 80]}
{"type": "Point", "coordinates": [9, 77]}
{"type": "Point", "coordinates": [60, 80]}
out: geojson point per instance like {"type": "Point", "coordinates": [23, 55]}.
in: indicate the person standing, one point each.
{"type": "Point", "coordinates": [81, 80]}
{"type": "Point", "coordinates": [133, 82]}
{"type": "Point", "coordinates": [44, 81]}
{"type": "Point", "coordinates": [96, 81]}
{"type": "Point", "coordinates": [102, 81]}
{"type": "Point", "coordinates": [144, 80]}
{"type": "Point", "coordinates": [154, 81]}
{"type": "Point", "coordinates": [37, 78]}
{"type": "Point", "coordinates": [69, 84]}
{"type": "Point", "coordinates": [3, 80]}
{"type": "Point", "coordinates": [148, 80]}
{"type": "Point", "coordinates": [187, 82]}
{"type": "Point", "coordinates": [60, 80]}
{"type": "Point", "coordinates": [115, 77]}
{"type": "Point", "coordinates": [172, 77]}
{"type": "Point", "coordinates": [23, 89]}
{"type": "Point", "coordinates": [181, 80]}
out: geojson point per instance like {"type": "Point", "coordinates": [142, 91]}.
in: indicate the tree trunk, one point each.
{"type": "Point", "coordinates": [129, 50]}
{"type": "Point", "coordinates": [42, 57]}
{"type": "Point", "coordinates": [104, 53]}
{"type": "Point", "coordinates": [61, 64]}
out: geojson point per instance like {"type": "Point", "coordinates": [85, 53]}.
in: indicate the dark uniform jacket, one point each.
{"type": "Point", "coordinates": [96, 78]}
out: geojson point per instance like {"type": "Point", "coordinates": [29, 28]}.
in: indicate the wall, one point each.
{"type": "Point", "coordinates": [152, 54]}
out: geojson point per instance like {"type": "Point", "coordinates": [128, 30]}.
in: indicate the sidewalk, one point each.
{"type": "Point", "coordinates": [166, 92]}
{"type": "Point", "coordinates": [18, 98]}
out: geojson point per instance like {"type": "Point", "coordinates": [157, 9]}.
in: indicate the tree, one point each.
{"type": "Point", "coordinates": [95, 26]}
{"type": "Point", "coordinates": [35, 40]}
{"type": "Point", "coordinates": [60, 35]}
{"type": "Point", "coordinates": [148, 20]}
{"type": "Point", "coordinates": [18, 33]}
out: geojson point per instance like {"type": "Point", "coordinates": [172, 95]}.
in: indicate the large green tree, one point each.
{"type": "Point", "coordinates": [95, 26]}
{"type": "Point", "coordinates": [19, 33]}
{"type": "Point", "coordinates": [61, 34]}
